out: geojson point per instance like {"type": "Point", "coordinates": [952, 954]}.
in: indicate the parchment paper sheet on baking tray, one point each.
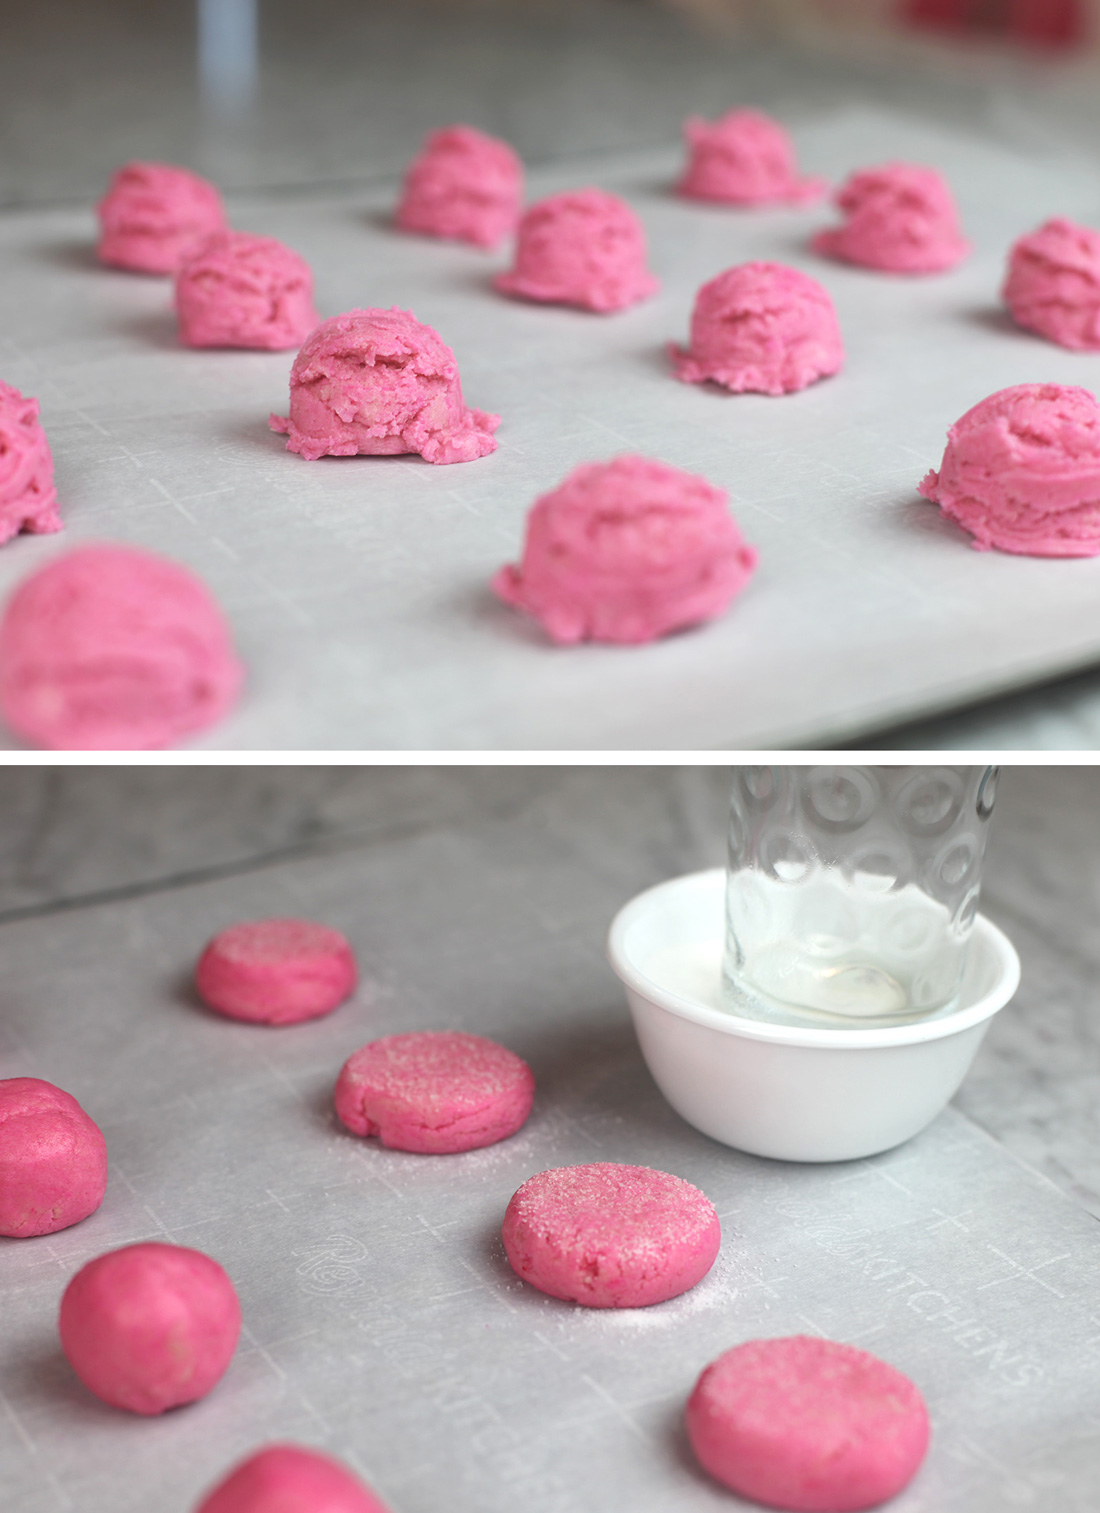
{"type": "Point", "coordinates": [381, 1318]}
{"type": "Point", "coordinates": [358, 586]}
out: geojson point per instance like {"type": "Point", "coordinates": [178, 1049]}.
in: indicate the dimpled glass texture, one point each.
{"type": "Point", "coordinates": [852, 891]}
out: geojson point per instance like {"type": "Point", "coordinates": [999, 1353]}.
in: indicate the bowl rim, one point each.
{"type": "Point", "coordinates": [712, 880]}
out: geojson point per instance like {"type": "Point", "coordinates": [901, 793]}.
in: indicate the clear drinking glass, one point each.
{"type": "Point", "coordinates": [852, 891]}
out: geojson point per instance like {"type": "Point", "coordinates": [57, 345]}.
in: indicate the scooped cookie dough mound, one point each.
{"type": "Point", "coordinates": [110, 648]}
{"type": "Point", "coordinates": [610, 1236]}
{"type": "Point", "coordinates": [901, 218]}
{"type": "Point", "coordinates": [804, 1423]}
{"type": "Point", "coordinates": [585, 248]}
{"type": "Point", "coordinates": [154, 216]}
{"type": "Point", "coordinates": [379, 382]}
{"type": "Point", "coordinates": [1021, 472]}
{"type": "Point", "coordinates": [434, 1092]}
{"type": "Point", "coordinates": [28, 499]}
{"type": "Point", "coordinates": [53, 1159]}
{"type": "Point", "coordinates": [744, 158]}
{"type": "Point", "coordinates": [626, 551]}
{"type": "Point", "coordinates": [762, 328]}
{"type": "Point", "coordinates": [464, 185]}
{"type": "Point", "coordinates": [1053, 284]}
{"type": "Point", "coordinates": [290, 1479]}
{"type": "Point", "coordinates": [276, 971]}
{"type": "Point", "coordinates": [241, 290]}
{"type": "Point", "coordinates": [150, 1326]}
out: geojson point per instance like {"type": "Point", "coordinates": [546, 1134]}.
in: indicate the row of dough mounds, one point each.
{"type": "Point", "coordinates": [797, 1422]}
{"type": "Point", "coordinates": [109, 647]}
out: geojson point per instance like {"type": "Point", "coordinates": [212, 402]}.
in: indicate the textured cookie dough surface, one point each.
{"type": "Point", "coordinates": [610, 1236]}
{"type": "Point", "coordinates": [150, 1326]}
{"type": "Point", "coordinates": [241, 290]}
{"type": "Point", "coordinates": [463, 185]}
{"type": "Point", "coordinates": [584, 248]}
{"type": "Point", "coordinates": [154, 216]}
{"type": "Point", "coordinates": [1053, 284]}
{"type": "Point", "coordinates": [28, 499]}
{"type": "Point", "coordinates": [1021, 472]}
{"type": "Point", "coordinates": [276, 971]}
{"type": "Point", "coordinates": [626, 551]}
{"type": "Point", "coordinates": [900, 218]}
{"type": "Point", "coordinates": [807, 1424]}
{"type": "Point", "coordinates": [290, 1479]}
{"type": "Point", "coordinates": [112, 648]}
{"type": "Point", "coordinates": [53, 1159]}
{"type": "Point", "coordinates": [744, 158]}
{"type": "Point", "coordinates": [761, 328]}
{"type": "Point", "coordinates": [434, 1092]}
{"type": "Point", "coordinates": [380, 382]}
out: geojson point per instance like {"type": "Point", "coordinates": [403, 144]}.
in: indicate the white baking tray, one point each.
{"type": "Point", "coordinates": [358, 587]}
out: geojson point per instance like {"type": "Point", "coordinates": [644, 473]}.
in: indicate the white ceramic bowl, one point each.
{"type": "Point", "coordinates": [798, 1094]}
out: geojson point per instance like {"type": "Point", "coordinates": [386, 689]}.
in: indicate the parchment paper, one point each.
{"type": "Point", "coordinates": [382, 1321]}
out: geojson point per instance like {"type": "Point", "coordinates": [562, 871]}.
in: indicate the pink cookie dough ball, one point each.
{"type": "Point", "coordinates": [610, 1236]}
{"type": "Point", "coordinates": [154, 216]}
{"type": "Point", "coordinates": [1053, 284]}
{"type": "Point", "coordinates": [290, 1479]}
{"type": "Point", "coordinates": [150, 1326]}
{"type": "Point", "coordinates": [804, 1423]}
{"type": "Point", "coordinates": [434, 1092]}
{"type": "Point", "coordinates": [626, 551]}
{"type": "Point", "coordinates": [110, 648]}
{"type": "Point", "coordinates": [585, 248]}
{"type": "Point", "coordinates": [53, 1159]}
{"type": "Point", "coordinates": [1021, 472]}
{"type": "Point", "coordinates": [761, 328]}
{"type": "Point", "coordinates": [463, 185]}
{"type": "Point", "coordinates": [379, 382]}
{"type": "Point", "coordinates": [276, 971]}
{"type": "Point", "coordinates": [901, 218]}
{"type": "Point", "coordinates": [28, 499]}
{"type": "Point", "coordinates": [744, 158]}
{"type": "Point", "coordinates": [241, 290]}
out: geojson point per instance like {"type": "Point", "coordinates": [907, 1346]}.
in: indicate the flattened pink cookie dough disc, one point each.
{"type": "Point", "coordinates": [584, 248]}
{"type": "Point", "coordinates": [744, 158]}
{"type": "Point", "coordinates": [434, 1092]}
{"type": "Point", "coordinates": [155, 215]}
{"type": "Point", "coordinates": [379, 382]}
{"type": "Point", "coordinates": [111, 648]}
{"type": "Point", "coordinates": [150, 1326]}
{"type": "Point", "coordinates": [463, 185]}
{"type": "Point", "coordinates": [1021, 472]}
{"type": "Point", "coordinates": [290, 1479]}
{"type": "Point", "coordinates": [761, 328]}
{"type": "Point", "coordinates": [276, 971]}
{"type": "Point", "coordinates": [28, 499]}
{"type": "Point", "coordinates": [626, 551]}
{"type": "Point", "coordinates": [807, 1424]}
{"type": "Point", "coordinates": [1053, 284]}
{"type": "Point", "coordinates": [53, 1159]}
{"type": "Point", "coordinates": [901, 218]}
{"type": "Point", "coordinates": [610, 1236]}
{"type": "Point", "coordinates": [241, 290]}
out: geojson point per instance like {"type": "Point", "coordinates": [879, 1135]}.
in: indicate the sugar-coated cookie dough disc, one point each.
{"type": "Point", "coordinates": [610, 1236]}
{"type": "Point", "coordinates": [290, 1479]}
{"type": "Point", "coordinates": [150, 1326]}
{"type": "Point", "coordinates": [276, 971]}
{"type": "Point", "coordinates": [807, 1424]}
{"type": "Point", "coordinates": [53, 1159]}
{"type": "Point", "coordinates": [435, 1092]}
